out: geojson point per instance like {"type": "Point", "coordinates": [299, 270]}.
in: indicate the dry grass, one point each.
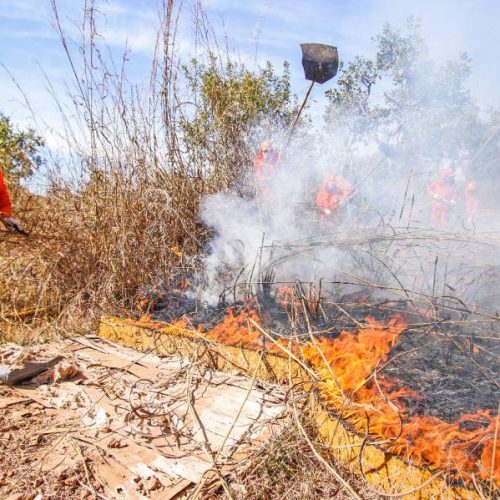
{"type": "Point", "coordinates": [288, 468]}
{"type": "Point", "coordinates": [121, 211]}
{"type": "Point", "coordinates": [99, 249]}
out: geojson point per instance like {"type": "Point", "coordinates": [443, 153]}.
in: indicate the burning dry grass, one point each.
{"type": "Point", "coordinates": [349, 369]}
{"type": "Point", "coordinates": [465, 447]}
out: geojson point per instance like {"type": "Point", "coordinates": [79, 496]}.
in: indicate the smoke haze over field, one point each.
{"type": "Point", "coordinates": [422, 123]}
{"type": "Point", "coordinates": [380, 238]}
{"type": "Point", "coordinates": [426, 121]}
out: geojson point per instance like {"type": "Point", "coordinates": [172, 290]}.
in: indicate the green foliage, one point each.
{"type": "Point", "coordinates": [20, 151]}
{"type": "Point", "coordinates": [234, 109]}
{"type": "Point", "coordinates": [400, 95]}
{"type": "Point", "coordinates": [395, 65]}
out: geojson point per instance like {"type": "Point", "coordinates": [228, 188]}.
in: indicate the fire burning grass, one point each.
{"type": "Point", "coordinates": [349, 369]}
{"type": "Point", "coordinates": [465, 447]}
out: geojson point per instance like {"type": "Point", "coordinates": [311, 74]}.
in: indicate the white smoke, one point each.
{"type": "Point", "coordinates": [383, 237]}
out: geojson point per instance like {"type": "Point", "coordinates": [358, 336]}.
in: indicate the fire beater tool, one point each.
{"type": "Point", "coordinates": [12, 225]}
{"type": "Point", "coordinates": [320, 63]}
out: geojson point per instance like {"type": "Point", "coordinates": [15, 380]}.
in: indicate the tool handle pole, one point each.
{"type": "Point", "coordinates": [294, 124]}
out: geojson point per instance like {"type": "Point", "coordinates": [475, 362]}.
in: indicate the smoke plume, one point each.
{"type": "Point", "coordinates": [386, 234]}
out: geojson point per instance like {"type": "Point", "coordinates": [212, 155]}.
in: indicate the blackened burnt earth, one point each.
{"type": "Point", "coordinates": [455, 371]}
{"type": "Point", "coordinates": [455, 374]}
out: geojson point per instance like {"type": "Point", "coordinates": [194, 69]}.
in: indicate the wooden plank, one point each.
{"type": "Point", "coordinates": [7, 401]}
{"type": "Point", "coordinates": [387, 473]}
{"type": "Point", "coordinates": [126, 447]}
{"type": "Point", "coordinates": [192, 467]}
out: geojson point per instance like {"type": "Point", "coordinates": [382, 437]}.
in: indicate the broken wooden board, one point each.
{"type": "Point", "coordinates": [388, 474]}
{"type": "Point", "coordinates": [143, 426]}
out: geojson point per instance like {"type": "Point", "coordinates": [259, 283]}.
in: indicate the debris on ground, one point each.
{"type": "Point", "coordinates": [108, 422]}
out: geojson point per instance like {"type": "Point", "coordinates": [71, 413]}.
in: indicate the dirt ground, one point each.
{"type": "Point", "coordinates": [108, 422]}
{"type": "Point", "coordinates": [29, 433]}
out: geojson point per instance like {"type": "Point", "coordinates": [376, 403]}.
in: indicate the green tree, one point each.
{"type": "Point", "coordinates": [402, 96]}
{"type": "Point", "coordinates": [20, 151]}
{"type": "Point", "coordinates": [234, 109]}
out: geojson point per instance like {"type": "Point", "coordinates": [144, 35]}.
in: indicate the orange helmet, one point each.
{"type": "Point", "coordinates": [470, 186]}
{"type": "Point", "coordinates": [268, 153]}
{"type": "Point", "coordinates": [329, 179]}
{"type": "Point", "coordinates": [266, 146]}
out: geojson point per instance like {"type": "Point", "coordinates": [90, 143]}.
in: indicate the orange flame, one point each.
{"type": "Point", "coordinates": [236, 329]}
{"type": "Point", "coordinates": [292, 303]}
{"type": "Point", "coordinates": [352, 359]}
{"type": "Point", "coordinates": [350, 385]}
{"type": "Point", "coordinates": [288, 299]}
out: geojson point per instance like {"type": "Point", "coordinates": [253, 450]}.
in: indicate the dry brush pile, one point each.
{"type": "Point", "coordinates": [120, 208]}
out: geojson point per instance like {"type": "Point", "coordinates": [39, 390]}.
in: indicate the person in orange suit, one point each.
{"type": "Point", "coordinates": [444, 194]}
{"type": "Point", "coordinates": [333, 192]}
{"type": "Point", "coordinates": [9, 221]}
{"type": "Point", "coordinates": [471, 202]}
{"type": "Point", "coordinates": [265, 164]}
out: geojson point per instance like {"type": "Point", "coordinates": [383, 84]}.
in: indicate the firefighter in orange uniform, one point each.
{"type": "Point", "coordinates": [444, 194]}
{"type": "Point", "coordinates": [334, 191]}
{"type": "Point", "coordinates": [265, 164]}
{"type": "Point", "coordinates": [471, 202]}
{"type": "Point", "coordinates": [9, 221]}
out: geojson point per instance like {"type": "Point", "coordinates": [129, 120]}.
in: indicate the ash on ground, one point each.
{"type": "Point", "coordinates": [453, 367]}
{"type": "Point", "coordinates": [454, 373]}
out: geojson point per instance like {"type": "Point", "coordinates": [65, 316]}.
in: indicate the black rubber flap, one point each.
{"type": "Point", "coordinates": [320, 62]}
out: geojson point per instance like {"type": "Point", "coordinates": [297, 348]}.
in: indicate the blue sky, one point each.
{"type": "Point", "coordinates": [257, 30]}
